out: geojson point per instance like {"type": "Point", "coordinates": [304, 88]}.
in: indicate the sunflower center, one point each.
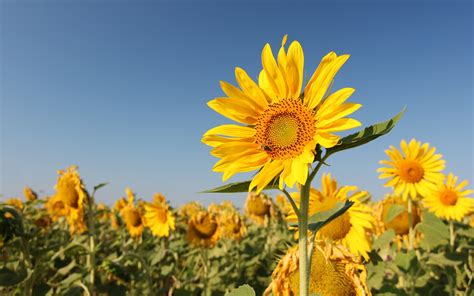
{"type": "Point", "coordinates": [411, 171]}
{"type": "Point", "coordinates": [284, 129]}
{"type": "Point", "coordinates": [69, 195]}
{"type": "Point", "coordinates": [338, 228]}
{"type": "Point", "coordinates": [448, 197]}
{"type": "Point", "coordinates": [133, 218]}
{"type": "Point", "coordinates": [206, 227]}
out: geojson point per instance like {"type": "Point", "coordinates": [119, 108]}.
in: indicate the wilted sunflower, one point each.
{"type": "Point", "coordinates": [71, 191]}
{"type": "Point", "coordinates": [188, 210]}
{"type": "Point", "coordinates": [231, 224]}
{"type": "Point", "coordinates": [450, 201]}
{"type": "Point", "coordinates": [29, 194]}
{"type": "Point", "coordinates": [158, 216]}
{"type": "Point", "coordinates": [414, 171]}
{"type": "Point", "coordinates": [15, 202]}
{"type": "Point", "coordinates": [132, 215]}
{"type": "Point", "coordinates": [203, 229]}
{"type": "Point", "coordinates": [55, 208]}
{"type": "Point", "coordinates": [334, 271]}
{"type": "Point", "coordinates": [352, 228]}
{"type": "Point", "coordinates": [281, 124]}
{"type": "Point", "coordinates": [399, 224]}
{"type": "Point", "coordinates": [259, 208]}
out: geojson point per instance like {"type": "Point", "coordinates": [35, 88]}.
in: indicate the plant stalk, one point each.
{"type": "Point", "coordinates": [410, 224]}
{"type": "Point", "coordinates": [91, 233]}
{"type": "Point", "coordinates": [303, 239]}
{"type": "Point", "coordinates": [451, 235]}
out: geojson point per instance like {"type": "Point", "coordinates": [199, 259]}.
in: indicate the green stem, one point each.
{"type": "Point", "coordinates": [303, 240]}
{"type": "Point", "coordinates": [29, 267]}
{"type": "Point", "coordinates": [452, 235]}
{"type": "Point", "coordinates": [410, 224]}
{"type": "Point", "coordinates": [91, 233]}
{"type": "Point", "coordinates": [292, 202]}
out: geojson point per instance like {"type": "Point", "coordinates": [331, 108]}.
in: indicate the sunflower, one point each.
{"type": "Point", "coordinates": [55, 208]}
{"type": "Point", "coordinates": [188, 210]}
{"type": "Point", "coordinates": [352, 228]}
{"type": "Point", "coordinates": [281, 125]}
{"type": "Point", "coordinates": [203, 229]}
{"type": "Point", "coordinates": [231, 224]}
{"type": "Point", "coordinates": [399, 224]}
{"type": "Point", "coordinates": [413, 172]}
{"type": "Point", "coordinates": [334, 271]}
{"type": "Point", "coordinates": [158, 216]}
{"type": "Point", "coordinates": [15, 202]}
{"type": "Point", "coordinates": [71, 191]}
{"type": "Point", "coordinates": [132, 216]}
{"type": "Point", "coordinates": [29, 194]}
{"type": "Point", "coordinates": [283, 204]}
{"type": "Point", "coordinates": [259, 208]}
{"type": "Point", "coordinates": [450, 201]}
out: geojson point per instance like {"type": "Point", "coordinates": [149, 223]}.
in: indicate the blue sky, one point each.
{"type": "Point", "coordinates": [120, 88]}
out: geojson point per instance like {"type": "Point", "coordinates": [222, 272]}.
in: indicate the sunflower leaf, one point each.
{"type": "Point", "coordinates": [366, 135]}
{"type": "Point", "coordinates": [318, 220]}
{"type": "Point", "coordinates": [238, 187]}
{"type": "Point", "coordinates": [393, 212]}
{"type": "Point", "coordinates": [244, 290]}
{"type": "Point", "coordinates": [435, 232]}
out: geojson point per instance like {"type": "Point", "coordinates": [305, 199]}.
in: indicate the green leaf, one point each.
{"type": "Point", "coordinates": [97, 187]}
{"type": "Point", "coordinates": [440, 259]}
{"type": "Point", "coordinates": [238, 187]}
{"type": "Point", "coordinates": [435, 232]}
{"type": "Point", "coordinates": [393, 212]}
{"type": "Point", "coordinates": [10, 278]}
{"type": "Point", "coordinates": [244, 290]}
{"type": "Point", "coordinates": [406, 261]}
{"type": "Point", "coordinates": [384, 239]}
{"type": "Point", "coordinates": [318, 220]}
{"type": "Point", "coordinates": [366, 135]}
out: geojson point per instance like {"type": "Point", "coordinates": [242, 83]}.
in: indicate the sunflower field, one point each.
{"type": "Point", "coordinates": [300, 232]}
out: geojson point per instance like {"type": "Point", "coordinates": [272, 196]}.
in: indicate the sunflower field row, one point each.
{"type": "Point", "coordinates": [66, 244]}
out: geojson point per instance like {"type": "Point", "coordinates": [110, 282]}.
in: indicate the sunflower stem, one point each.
{"type": "Point", "coordinates": [452, 235]}
{"type": "Point", "coordinates": [292, 202]}
{"type": "Point", "coordinates": [303, 240]}
{"type": "Point", "coordinates": [91, 232]}
{"type": "Point", "coordinates": [410, 223]}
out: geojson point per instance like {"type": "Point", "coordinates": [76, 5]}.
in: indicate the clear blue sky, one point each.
{"type": "Point", "coordinates": [120, 88]}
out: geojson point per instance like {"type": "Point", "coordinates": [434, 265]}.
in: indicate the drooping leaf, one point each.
{"type": "Point", "coordinates": [9, 277]}
{"type": "Point", "coordinates": [393, 212]}
{"type": "Point", "coordinates": [318, 220]}
{"type": "Point", "coordinates": [435, 232]}
{"type": "Point", "coordinates": [366, 135]}
{"type": "Point", "coordinates": [384, 239]}
{"type": "Point", "coordinates": [244, 290]}
{"type": "Point", "coordinates": [97, 187]}
{"type": "Point", "coordinates": [238, 187]}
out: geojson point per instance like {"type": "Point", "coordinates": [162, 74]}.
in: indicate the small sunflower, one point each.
{"type": "Point", "coordinates": [231, 224]}
{"type": "Point", "coordinates": [399, 224]}
{"type": "Point", "coordinates": [158, 216]}
{"type": "Point", "coordinates": [190, 209]}
{"type": "Point", "coordinates": [29, 194]}
{"type": "Point", "coordinates": [203, 229]}
{"type": "Point", "coordinates": [259, 208]}
{"type": "Point", "coordinates": [15, 202]}
{"type": "Point", "coordinates": [132, 216]}
{"type": "Point", "coordinates": [450, 201]}
{"type": "Point", "coordinates": [334, 271]}
{"type": "Point", "coordinates": [414, 171]}
{"type": "Point", "coordinates": [352, 228]}
{"type": "Point", "coordinates": [282, 123]}
{"type": "Point", "coordinates": [55, 208]}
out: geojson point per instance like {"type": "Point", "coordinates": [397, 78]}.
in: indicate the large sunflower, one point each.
{"type": "Point", "coordinates": [158, 216]}
{"type": "Point", "coordinates": [132, 216]}
{"type": "Point", "coordinates": [281, 125]}
{"type": "Point", "coordinates": [352, 228]}
{"type": "Point", "coordinates": [203, 229]}
{"type": "Point", "coordinates": [450, 201]}
{"type": "Point", "coordinates": [71, 191]}
{"type": "Point", "coordinates": [414, 171]}
{"type": "Point", "coordinates": [334, 271]}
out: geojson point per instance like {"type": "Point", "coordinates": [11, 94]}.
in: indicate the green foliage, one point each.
{"type": "Point", "coordinates": [435, 232]}
{"type": "Point", "coordinates": [393, 212]}
{"type": "Point", "coordinates": [244, 290]}
{"type": "Point", "coordinates": [238, 187]}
